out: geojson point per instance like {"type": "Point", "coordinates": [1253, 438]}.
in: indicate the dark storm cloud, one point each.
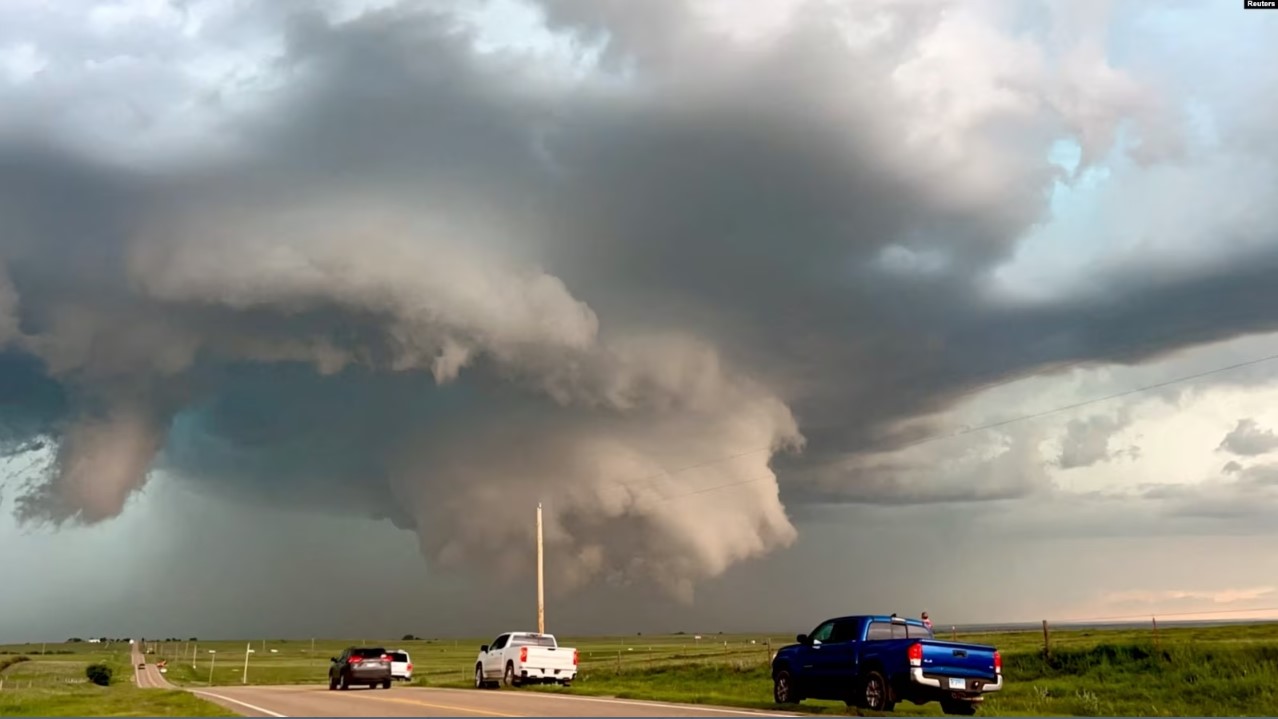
{"type": "Point", "coordinates": [432, 286]}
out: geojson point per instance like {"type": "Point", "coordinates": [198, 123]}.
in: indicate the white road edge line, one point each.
{"type": "Point", "coordinates": [267, 712]}
{"type": "Point", "coordinates": [658, 705]}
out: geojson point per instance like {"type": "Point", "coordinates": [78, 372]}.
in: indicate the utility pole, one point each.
{"type": "Point", "coordinates": [248, 647]}
{"type": "Point", "coordinates": [541, 583]}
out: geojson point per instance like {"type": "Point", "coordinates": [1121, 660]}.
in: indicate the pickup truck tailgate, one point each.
{"type": "Point", "coordinates": [955, 659]}
{"type": "Point", "coordinates": [547, 657]}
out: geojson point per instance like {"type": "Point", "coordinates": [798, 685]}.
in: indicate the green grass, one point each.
{"type": "Point", "coordinates": [1196, 671]}
{"type": "Point", "coordinates": [53, 684]}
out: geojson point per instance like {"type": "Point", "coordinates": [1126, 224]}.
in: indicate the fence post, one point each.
{"type": "Point", "coordinates": [1047, 643]}
{"type": "Point", "coordinates": [1155, 620]}
{"type": "Point", "coordinates": [618, 661]}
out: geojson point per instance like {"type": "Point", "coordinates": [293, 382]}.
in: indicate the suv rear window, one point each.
{"type": "Point", "coordinates": [365, 652]}
{"type": "Point", "coordinates": [398, 657]}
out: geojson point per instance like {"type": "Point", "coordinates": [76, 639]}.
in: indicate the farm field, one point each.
{"type": "Point", "coordinates": [53, 683]}
{"type": "Point", "coordinates": [1197, 670]}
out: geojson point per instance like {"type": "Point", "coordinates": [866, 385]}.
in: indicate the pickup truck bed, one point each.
{"type": "Point", "coordinates": [874, 662]}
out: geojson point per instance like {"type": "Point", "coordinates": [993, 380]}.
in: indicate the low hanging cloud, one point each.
{"type": "Point", "coordinates": [394, 275]}
{"type": "Point", "coordinates": [1248, 439]}
{"type": "Point", "coordinates": [1087, 441]}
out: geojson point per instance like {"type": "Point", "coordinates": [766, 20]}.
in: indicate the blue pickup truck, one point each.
{"type": "Point", "coordinates": [872, 662]}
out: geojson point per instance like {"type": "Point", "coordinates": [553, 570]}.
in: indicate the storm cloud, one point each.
{"type": "Point", "coordinates": [667, 287]}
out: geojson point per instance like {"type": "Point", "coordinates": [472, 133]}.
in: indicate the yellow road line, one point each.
{"type": "Point", "coordinates": [446, 707]}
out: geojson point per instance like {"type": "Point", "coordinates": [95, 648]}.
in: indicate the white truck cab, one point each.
{"type": "Point", "coordinates": [517, 658]}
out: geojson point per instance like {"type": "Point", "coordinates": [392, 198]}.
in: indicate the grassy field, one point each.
{"type": "Point", "coordinates": [1202, 671]}
{"type": "Point", "coordinates": [53, 684]}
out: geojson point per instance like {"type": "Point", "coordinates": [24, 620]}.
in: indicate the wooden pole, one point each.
{"type": "Point", "coordinates": [541, 583]}
{"type": "Point", "coordinates": [1047, 643]}
{"type": "Point", "coordinates": [1155, 620]}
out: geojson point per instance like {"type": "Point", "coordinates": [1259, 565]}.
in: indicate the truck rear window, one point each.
{"type": "Point", "coordinates": [889, 630]}
{"type": "Point", "coordinates": [531, 641]}
{"type": "Point", "coordinates": [398, 657]}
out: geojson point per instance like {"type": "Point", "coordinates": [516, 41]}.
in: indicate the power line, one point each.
{"type": "Point", "coordinates": [965, 431]}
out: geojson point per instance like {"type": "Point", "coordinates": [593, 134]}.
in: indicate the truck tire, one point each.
{"type": "Point", "coordinates": [509, 678]}
{"type": "Point", "coordinates": [480, 682]}
{"type": "Point", "coordinates": [875, 694]}
{"type": "Point", "coordinates": [783, 688]}
{"type": "Point", "coordinates": [958, 707]}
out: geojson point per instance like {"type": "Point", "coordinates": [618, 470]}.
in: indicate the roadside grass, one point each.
{"type": "Point", "coordinates": [1185, 671]}
{"type": "Point", "coordinates": [53, 684]}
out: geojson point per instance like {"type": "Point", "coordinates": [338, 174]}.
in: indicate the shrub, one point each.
{"type": "Point", "coordinates": [99, 674]}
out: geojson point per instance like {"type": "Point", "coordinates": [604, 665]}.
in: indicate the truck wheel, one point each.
{"type": "Point", "coordinates": [783, 688]}
{"type": "Point", "coordinates": [480, 682]}
{"type": "Point", "coordinates": [958, 707]}
{"type": "Point", "coordinates": [874, 693]}
{"type": "Point", "coordinates": [509, 677]}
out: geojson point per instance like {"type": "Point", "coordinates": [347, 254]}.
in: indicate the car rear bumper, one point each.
{"type": "Point", "coordinates": [369, 675]}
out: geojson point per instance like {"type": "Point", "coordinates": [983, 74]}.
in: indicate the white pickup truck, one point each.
{"type": "Point", "coordinates": [516, 658]}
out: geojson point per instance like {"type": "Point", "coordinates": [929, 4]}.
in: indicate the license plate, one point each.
{"type": "Point", "coordinates": [958, 683]}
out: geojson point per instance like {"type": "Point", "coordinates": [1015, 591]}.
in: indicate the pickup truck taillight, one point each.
{"type": "Point", "coordinates": [915, 653]}
{"type": "Point", "coordinates": [998, 663]}
{"type": "Point", "coordinates": [523, 654]}
{"type": "Point", "coordinates": [574, 657]}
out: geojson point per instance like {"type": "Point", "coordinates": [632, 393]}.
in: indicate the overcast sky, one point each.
{"type": "Point", "coordinates": [807, 308]}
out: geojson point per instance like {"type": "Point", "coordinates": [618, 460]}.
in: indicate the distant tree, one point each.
{"type": "Point", "coordinates": [409, 638]}
{"type": "Point", "coordinates": [99, 674]}
{"type": "Point", "coordinates": [74, 640]}
{"type": "Point", "coordinates": [193, 639]}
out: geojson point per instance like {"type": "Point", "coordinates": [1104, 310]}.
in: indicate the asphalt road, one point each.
{"type": "Point", "coordinates": [148, 677]}
{"type": "Point", "coordinates": [318, 701]}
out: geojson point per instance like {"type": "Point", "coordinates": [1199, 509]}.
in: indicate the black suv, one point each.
{"type": "Point", "coordinates": [360, 665]}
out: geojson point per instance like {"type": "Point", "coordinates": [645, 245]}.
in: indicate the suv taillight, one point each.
{"type": "Point", "coordinates": [523, 654]}
{"type": "Point", "coordinates": [355, 659]}
{"type": "Point", "coordinates": [386, 657]}
{"type": "Point", "coordinates": [410, 666]}
{"type": "Point", "coordinates": [998, 663]}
